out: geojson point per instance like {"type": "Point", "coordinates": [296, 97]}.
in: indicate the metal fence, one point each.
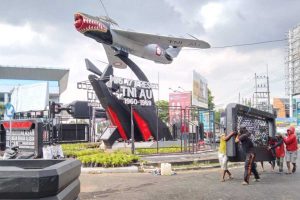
{"type": "Point", "coordinates": [65, 130]}
{"type": "Point", "coordinates": [192, 130]}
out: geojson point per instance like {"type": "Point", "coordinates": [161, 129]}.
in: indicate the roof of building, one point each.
{"type": "Point", "coordinates": [37, 73]}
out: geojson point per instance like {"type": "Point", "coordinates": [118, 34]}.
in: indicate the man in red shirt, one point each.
{"type": "Point", "coordinates": [291, 149]}
{"type": "Point", "coordinates": [279, 151]}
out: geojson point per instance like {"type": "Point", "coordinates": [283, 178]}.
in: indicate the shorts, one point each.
{"type": "Point", "coordinates": [223, 160]}
{"type": "Point", "coordinates": [291, 156]}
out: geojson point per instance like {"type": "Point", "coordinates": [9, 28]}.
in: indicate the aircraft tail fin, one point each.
{"type": "Point", "coordinates": [173, 51]}
{"type": "Point", "coordinates": [92, 68]}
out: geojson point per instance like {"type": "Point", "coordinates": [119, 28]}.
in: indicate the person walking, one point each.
{"type": "Point", "coordinates": [279, 151]}
{"type": "Point", "coordinates": [291, 149]}
{"type": "Point", "coordinates": [250, 166]}
{"type": "Point", "coordinates": [223, 160]}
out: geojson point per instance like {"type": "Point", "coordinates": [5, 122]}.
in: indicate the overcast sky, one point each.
{"type": "Point", "coordinates": [42, 33]}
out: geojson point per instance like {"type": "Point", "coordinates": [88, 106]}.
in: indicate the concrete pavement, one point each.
{"type": "Point", "coordinates": [149, 162]}
{"type": "Point", "coordinates": [203, 184]}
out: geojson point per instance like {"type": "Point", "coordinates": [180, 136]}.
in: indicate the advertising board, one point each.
{"type": "Point", "coordinates": [207, 118]}
{"type": "Point", "coordinates": [200, 91]}
{"type": "Point", "coordinates": [178, 101]}
{"type": "Point", "coordinates": [33, 97]}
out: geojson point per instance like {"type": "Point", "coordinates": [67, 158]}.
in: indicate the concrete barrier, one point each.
{"type": "Point", "coordinates": [39, 179]}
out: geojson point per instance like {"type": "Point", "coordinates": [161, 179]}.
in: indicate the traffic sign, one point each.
{"type": "Point", "coordinates": [9, 110]}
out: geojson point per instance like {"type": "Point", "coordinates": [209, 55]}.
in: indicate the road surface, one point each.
{"type": "Point", "coordinates": [191, 185]}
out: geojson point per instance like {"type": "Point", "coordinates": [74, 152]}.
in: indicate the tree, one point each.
{"type": "Point", "coordinates": [211, 104]}
{"type": "Point", "coordinates": [218, 115]}
{"type": "Point", "coordinates": [2, 108]}
{"type": "Point", "coordinates": [163, 112]}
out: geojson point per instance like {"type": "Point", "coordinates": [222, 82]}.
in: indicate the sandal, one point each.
{"type": "Point", "coordinates": [245, 183]}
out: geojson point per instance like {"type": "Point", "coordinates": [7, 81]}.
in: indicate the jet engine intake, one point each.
{"type": "Point", "coordinates": [156, 53]}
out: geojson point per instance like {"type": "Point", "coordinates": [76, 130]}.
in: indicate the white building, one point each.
{"type": "Point", "coordinates": [292, 69]}
{"type": "Point", "coordinates": [11, 77]}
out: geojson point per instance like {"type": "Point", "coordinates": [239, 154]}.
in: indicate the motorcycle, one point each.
{"type": "Point", "coordinates": [14, 153]}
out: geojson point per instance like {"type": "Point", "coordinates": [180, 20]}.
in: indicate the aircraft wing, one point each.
{"type": "Point", "coordinates": [163, 41]}
{"type": "Point", "coordinates": [112, 59]}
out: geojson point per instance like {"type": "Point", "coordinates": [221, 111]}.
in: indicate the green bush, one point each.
{"type": "Point", "coordinates": [80, 149]}
{"type": "Point", "coordinates": [80, 146]}
{"type": "Point", "coordinates": [91, 156]}
{"type": "Point", "coordinates": [108, 160]}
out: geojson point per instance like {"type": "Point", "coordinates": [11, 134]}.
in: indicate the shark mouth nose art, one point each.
{"type": "Point", "coordinates": [83, 24]}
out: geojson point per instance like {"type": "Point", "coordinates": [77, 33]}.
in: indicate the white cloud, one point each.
{"type": "Point", "coordinates": [19, 35]}
{"type": "Point", "coordinates": [211, 14]}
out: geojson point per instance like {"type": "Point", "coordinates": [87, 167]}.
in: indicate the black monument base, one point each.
{"type": "Point", "coordinates": [39, 179]}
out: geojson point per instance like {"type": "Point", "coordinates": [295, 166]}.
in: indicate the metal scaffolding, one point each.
{"type": "Point", "coordinates": [292, 67]}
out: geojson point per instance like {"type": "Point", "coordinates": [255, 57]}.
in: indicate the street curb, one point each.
{"type": "Point", "coordinates": [135, 169]}
{"type": "Point", "coordinates": [186, 162]}
{"type": "Point", "coordinates": [174, 154]}
{"type": "Point", "coordinates": [204, 167]}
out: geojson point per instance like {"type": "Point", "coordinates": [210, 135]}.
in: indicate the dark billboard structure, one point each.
{"type": "Point", "coordinates": [260, 124]}
{"type": "Point", "coordinates": [26, 134]}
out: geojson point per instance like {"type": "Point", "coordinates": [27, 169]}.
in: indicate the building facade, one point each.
{"type": "Point", "coordinates": [14, 77]}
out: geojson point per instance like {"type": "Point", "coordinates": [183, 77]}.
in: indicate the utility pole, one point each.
{"type": "Point", "coordinates": [262, 92]}
{"type": "Point", "coordinates": [268, 89]}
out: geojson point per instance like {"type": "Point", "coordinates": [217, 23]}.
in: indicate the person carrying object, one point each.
{"type": "Point", "coordinates": [250, 166]}
{"type": "Point", "coordinates": [291, 149]}
{"type": "Point", "coordinates": [271, 142]}
{"type": "Point", "coordinates": [279, 151]}
{"type": "Point", "coordinates": [223, 160]}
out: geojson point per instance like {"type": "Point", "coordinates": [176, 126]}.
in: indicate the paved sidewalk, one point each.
{"type": "Point", "coordinates": [156, 160]}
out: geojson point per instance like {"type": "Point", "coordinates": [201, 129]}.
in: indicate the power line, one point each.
{"type": "Point", "coordinates": [243, 44]}
{"type": "Point", "coordinates": [250, 44]}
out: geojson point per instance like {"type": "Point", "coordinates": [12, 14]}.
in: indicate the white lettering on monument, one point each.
{"type": "Point", "coordinates": [135, 92]}
{"type": "Point", "coordinates": [22, 138]}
